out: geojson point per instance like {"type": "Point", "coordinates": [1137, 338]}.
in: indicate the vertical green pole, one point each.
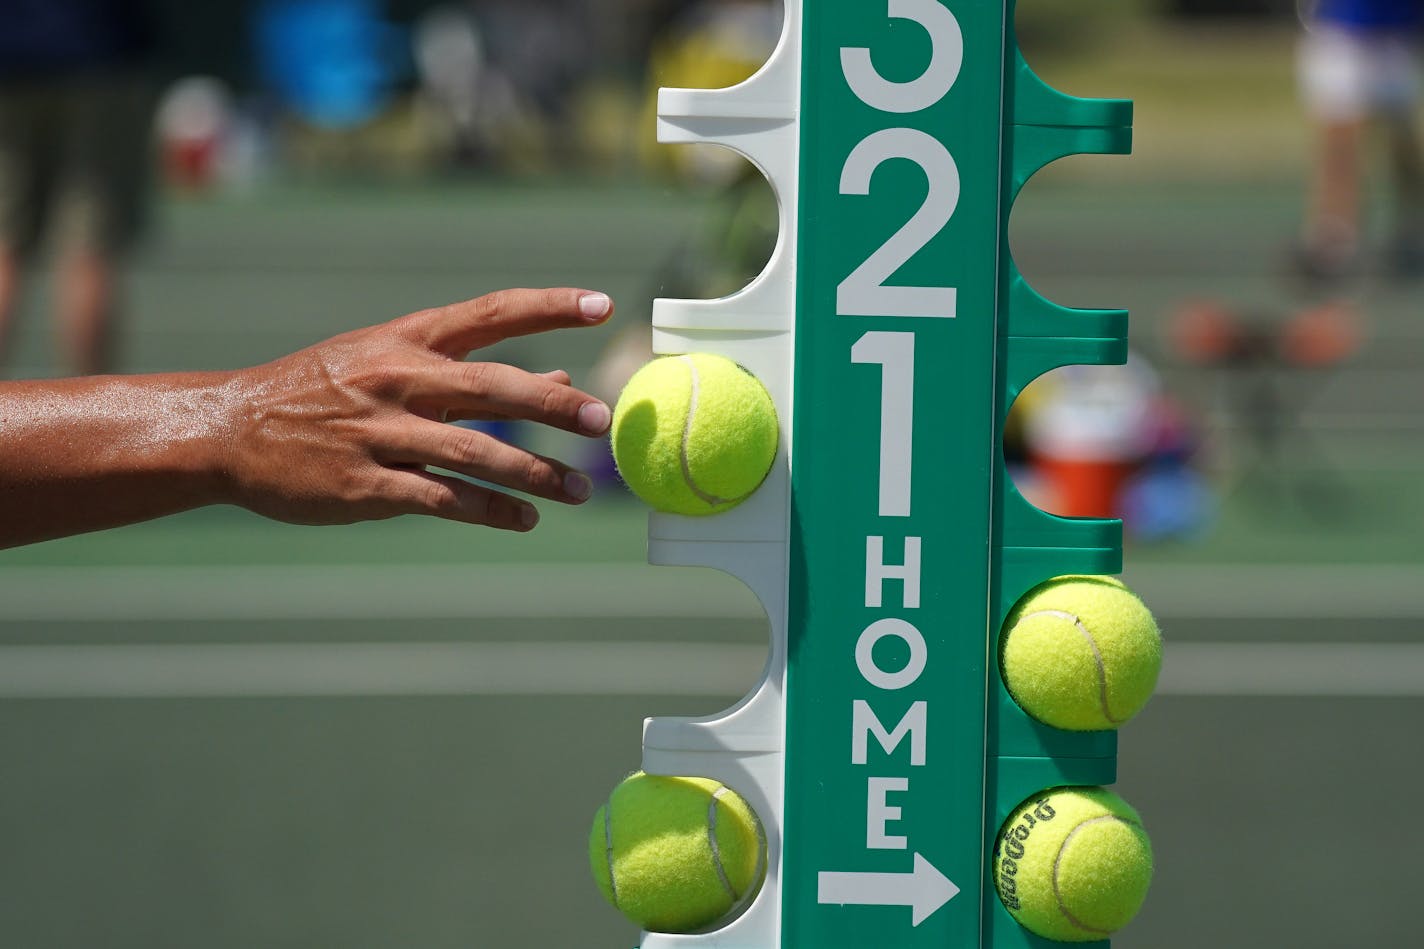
{"type": "Point", "coordinates": [914, 332]}
{"type": "Point", "coordinates": [893, 473]}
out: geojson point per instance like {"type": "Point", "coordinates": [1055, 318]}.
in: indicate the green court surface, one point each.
{"type": "Point", "coordinates": [220, 732]}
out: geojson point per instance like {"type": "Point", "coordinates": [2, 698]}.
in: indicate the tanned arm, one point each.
{"type": "Point", "coordinates": [343, 431]}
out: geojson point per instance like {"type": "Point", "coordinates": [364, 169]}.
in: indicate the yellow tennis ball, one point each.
{"type": "Point", "coordinates": [675, 854]}
{"type": "Point", "coordinates": [1081, 653]}
{"type": "Point", "coordinates": [1073, 864]}
{"type": "Point", "coordinates": [694, 434]}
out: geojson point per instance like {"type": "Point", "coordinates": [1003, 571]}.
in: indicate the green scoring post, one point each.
{"type": "Point", "coordinates": [891, 566]}
{"type": "Point", "coordinates": [882, 752]}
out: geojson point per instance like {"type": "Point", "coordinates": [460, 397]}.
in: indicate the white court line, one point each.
{"type": "Point", "coordinates": [1371, 670]}
{"type": "Point", "coordinates": [1282, 591]}
{"type": "Point", "coordinates": [397, 592]}
{"type": "Point", "coordinates": [1340, 670]}
{"type": "Point", "coordinates": [475, 591]}
{"type": "Point", "coordinates": [378, 669]}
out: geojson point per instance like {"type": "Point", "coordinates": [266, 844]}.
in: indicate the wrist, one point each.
{"type": "Point", "coordinates": [195, 427]}
{"type": "Point", "coordinates": [166, 436]}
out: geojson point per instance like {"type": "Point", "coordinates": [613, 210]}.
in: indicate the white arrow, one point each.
{"type": "Point", "coordinates": [924, 889]}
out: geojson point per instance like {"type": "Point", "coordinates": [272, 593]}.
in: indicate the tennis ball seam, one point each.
{"type": "Point", "coordinates": [608, 848]}
{"type": "Point", "coordinates": [1058, 863]}
{"type": "Point", "coordinates": [712, 842]}
{"type": "Point", "coordinates": [695, 386]}
{"type": "Point", "coordinates": [1098, 664]}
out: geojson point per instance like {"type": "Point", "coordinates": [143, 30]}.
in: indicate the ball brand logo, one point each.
{"type": "Point", "coordinates": [1011, 850]}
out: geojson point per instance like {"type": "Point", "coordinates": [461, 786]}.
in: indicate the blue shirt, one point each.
{"type": "Point", "coordinates": [1372, 14]}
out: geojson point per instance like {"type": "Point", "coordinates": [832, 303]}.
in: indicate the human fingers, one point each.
{"type": "Point", "coordinates": [556, 376]}
{"type": "Point", "coordinates": [490, 390]}
{"type": "Point", "coordinates": [437, 495]}
{"type": "Point", "coordinates": [459, 328]}
{"type": "Point", "coordinates": [482, 456]}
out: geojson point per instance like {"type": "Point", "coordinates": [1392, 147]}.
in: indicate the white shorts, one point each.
{"type": "Point", "coordinates": [1346, 75]}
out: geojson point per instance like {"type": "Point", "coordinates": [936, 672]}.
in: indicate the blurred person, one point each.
{"type": "Point", "coordinates": [541, 48]}
{"type": "Point", "coordinates": [1357, 65]}
{"type": "Point", "coordinates": [340, 432]}
{"type": "Point", "coordinates": [492, 120]}
{"type": "Point", "coordinates": [450, 61]}
{"type": "Point", "coordinates": [74, 113]}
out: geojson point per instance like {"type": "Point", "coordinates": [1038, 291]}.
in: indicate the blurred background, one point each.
{"type": "Point", "coordinates": [223, 732]}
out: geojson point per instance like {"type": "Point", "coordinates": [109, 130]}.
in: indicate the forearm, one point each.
{"type": "Point", "coordinates": [86, 454]}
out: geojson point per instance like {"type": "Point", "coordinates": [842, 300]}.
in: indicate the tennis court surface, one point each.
{"type": "Point", "coordinates": [220, 732]}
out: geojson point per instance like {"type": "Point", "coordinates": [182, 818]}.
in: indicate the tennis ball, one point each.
{"type": "Point", "coordinates": [694, 434]}
{"type": "Point", "coordinates": [1081, 653]}
{"type": "Point", "coordinates": [1073, 864]}
{"type": "Point", "coordinates": [675, 854]}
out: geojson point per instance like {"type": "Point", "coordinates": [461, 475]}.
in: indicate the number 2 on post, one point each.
{"type": "Point", "coordinates": [864, 292]}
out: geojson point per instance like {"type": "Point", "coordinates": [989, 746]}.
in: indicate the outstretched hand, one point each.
{"type": "Point", "coordinates": [346, 430]}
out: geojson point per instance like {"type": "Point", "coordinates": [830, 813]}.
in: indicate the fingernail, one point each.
{"type": "Point", "coordinates": [528, 516]}
{"type": "Point", "coordinates": [578, 485]}
{"type": "Point", "coordinates": [594, 306]}
{"type": "Point", "coordinates": [594, 417]}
